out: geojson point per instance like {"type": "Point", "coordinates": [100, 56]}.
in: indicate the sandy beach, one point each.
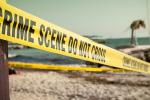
{"type": "Point", "coordinates": [64, 85]}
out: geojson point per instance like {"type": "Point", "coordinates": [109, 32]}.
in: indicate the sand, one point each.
{"type": "Point", "coordinates": [63, 85]}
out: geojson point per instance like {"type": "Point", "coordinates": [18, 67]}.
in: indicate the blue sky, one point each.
{"type": "Point", "coordinates": [106, 18]}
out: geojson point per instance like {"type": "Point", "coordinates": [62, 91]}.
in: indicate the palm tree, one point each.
{"type": "Point", "coordinates": [134, 26]}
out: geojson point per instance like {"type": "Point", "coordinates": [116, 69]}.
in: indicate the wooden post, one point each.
{"type": "Point", "coordinates": [4, 80]}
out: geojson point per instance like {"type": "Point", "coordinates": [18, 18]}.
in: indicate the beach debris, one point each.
{"type": "Point", "coordinates": [12, 71]}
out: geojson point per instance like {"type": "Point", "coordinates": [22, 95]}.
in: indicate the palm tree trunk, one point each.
{"type": "Point", "coordinates": [132, 37]}
{"type": "Point", "coordinates": [136, 39]}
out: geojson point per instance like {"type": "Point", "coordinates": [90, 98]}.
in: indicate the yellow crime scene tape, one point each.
{"type": "Point", "coordinates": [23, 28]}
{"type": "Point", "coordinates": [60, 67]}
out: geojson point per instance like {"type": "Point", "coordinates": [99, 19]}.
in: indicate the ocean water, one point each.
{"type": "Point", "coordinates": [126, 41]}
{"type": "Point", "coordinates": [39, 56]}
